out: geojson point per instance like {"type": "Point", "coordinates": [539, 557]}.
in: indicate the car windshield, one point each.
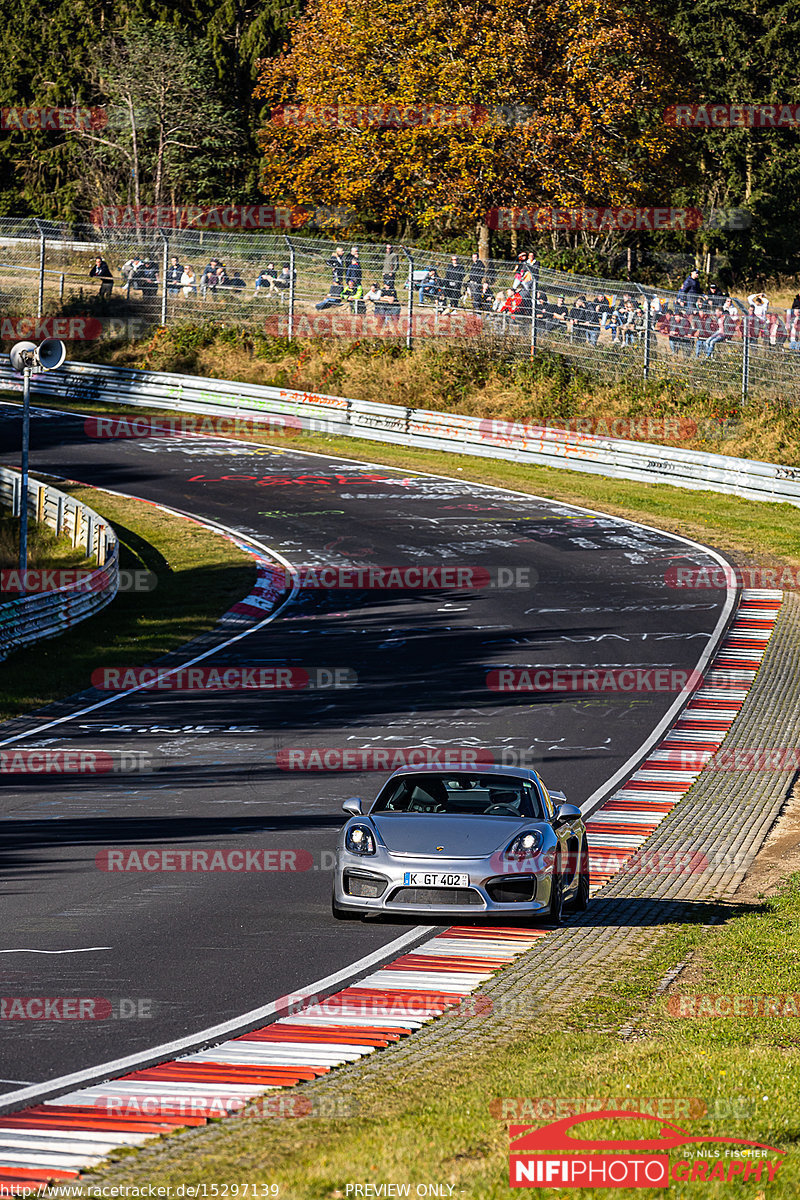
{"type": "Point", "coordinates": [478, 795]}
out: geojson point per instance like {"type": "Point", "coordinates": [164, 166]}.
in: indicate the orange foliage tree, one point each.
{"type": "Point", "coordinates": [557, 102]}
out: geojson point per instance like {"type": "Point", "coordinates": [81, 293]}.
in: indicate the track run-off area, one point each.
{"type": "Point", "coordinates": [174, 952]}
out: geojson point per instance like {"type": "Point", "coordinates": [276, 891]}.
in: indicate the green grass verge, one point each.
{"type": "Point", "coordinates": [734, 1076]}
{"type": "Point", "coordinates": [200, 575]}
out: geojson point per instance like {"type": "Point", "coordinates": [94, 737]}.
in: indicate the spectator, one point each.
{"type": "Point", "coordinates": [679, 330]}
{"type": "Point", "coordinates": [512, 303]}
{"type": "Point", "coordinates": [390, 305]}
{"type": "Point", "coordinates": [338, 266]}
{"type": "Point", "coordinates": [189, 282]}
{"type": "Point", "coordinates": [353, 273]}
{"type": "Point", "coordinates": [102, 271]}
{"type": "Point", "coordinates": [602, 310]}
{"type": "Point", "coordinates": [716, 298]}
{"type": "Point", "coordinates": [560, 315]}
{"type": "Point", "coordinates": [714, 336]}
{"type": "Point", "coordinates": [146, 278]}
{"type": "Point", "coordinates": [793, 329]}
{"type": "Point", "coordinates": [210, 279]}
{"type": "Point", "coordinates": [266, 279]}
{"type": "Point", "coordinates": [592, 322]}
{"type": "Point", "coordinates": [353, 294]}
{"type": "Point", "coordinates": [224, 278]}
{"type": "Point", "coordinates": [543, 310]}
{"type": "Point", "coordinates": [760, 303]}
{"type": "Point", "coordinates": [284, 280]}
{"type": "Point", "coordinates": [391, 265]}
{"type": "Point", "coordinates": [790, 312]}
{"type": "Point", "coordinates": [454, 277]}
{"type": "Point", "coordinates": [578, 316]}
{"type": "Point", "coordinates": [753, 324]}
{"type": "Point", "coordinates": [131, 268]}
{"type": "Point", "coordinates": [235, 281]}
{"type": "Point", "coordinates": [174, 274]}
{"type": "Point", "coordinates": [522, 261]}
{"type": "Point", "coordinates": [691, 288]}
{"type": "Point", "coordinates": [485, 298]}
{"type": "Point", "coordinates": [374, 293]}
{"type": "Point", "coordinates": [431, 288]}
{"type": "Point", "coordinates": [775, 331]}
{"type": "Point", "coordinates": [477, 274]}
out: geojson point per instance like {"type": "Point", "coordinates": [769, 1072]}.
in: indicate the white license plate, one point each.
{"type": "Point", "coordinates": [435, 879]}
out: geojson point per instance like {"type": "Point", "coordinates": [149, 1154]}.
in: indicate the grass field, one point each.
{"type": "Point", "coordinates": [713, 1076]}
{"type": "Point", "coordinates": [199, 576]}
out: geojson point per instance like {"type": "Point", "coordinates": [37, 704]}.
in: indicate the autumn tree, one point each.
{"type": "Point", "coordinates": [589, 78]}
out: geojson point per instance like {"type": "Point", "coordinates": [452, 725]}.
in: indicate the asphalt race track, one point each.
{"type": "Point", "coordinates": [185, 950]}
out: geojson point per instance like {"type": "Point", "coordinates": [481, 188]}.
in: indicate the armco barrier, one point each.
{"type": "Point", "coordinates": [39, 615]}
{"type": "Point", "coordinates": [613, 457]}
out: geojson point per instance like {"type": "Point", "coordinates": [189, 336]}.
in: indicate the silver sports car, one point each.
{"type": "Point", "coordinates": [490, 840]}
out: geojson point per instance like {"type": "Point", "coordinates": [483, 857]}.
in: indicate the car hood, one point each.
{"type": "Point", "coordinates": [465, 836]}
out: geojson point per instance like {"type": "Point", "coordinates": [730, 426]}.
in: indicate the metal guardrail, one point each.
{"type": "Point", "coordinates": [541, 445]}
{"type": "Point", "coordinates": [36, 616]}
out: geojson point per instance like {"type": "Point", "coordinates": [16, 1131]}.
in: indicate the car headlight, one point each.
{"type": "Point", "coordinates": [359, 840]}
{"type": "Point", "coordinates": [525, 845]}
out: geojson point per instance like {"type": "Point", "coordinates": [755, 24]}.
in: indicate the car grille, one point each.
{"type": "Point", "coordinates": [363, 885]}
{"type": "Point", "coordinates": [436, 897]}
{"type": "Point", "coordinates": [507, 891]}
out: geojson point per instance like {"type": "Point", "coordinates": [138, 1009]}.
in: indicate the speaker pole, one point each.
{"type": "Point", "coordinates": [23, 489]}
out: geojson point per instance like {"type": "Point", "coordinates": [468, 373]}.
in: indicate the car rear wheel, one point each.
{"type": "Point", "coordinates": [580, 902]}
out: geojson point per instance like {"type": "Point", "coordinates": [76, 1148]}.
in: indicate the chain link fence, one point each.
{"type": "Point", "coordinates": [85, 282]}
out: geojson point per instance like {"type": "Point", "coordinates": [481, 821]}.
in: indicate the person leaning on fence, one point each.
{"type": "Point", "coordinates": [102, 271]}
{"type": "Point", "coordinates": [210, 279]}
{"type": "Point", "coordinates": [174, 273]}
{"type": "Point", "coordinates": [795, 308]}
{"type": "Point", "coordinates": [130, 268]}
{"type": "Point", "coordinates": [188, 283]}
{"type": "Point", "coordinates": [391, 264]}
{"type": "Point", "coordinates": [559, 314]}
{"type": "Point", "coordinates": [453, 279]}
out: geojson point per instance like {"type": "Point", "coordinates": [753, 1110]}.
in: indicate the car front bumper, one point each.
{"type": "Point", "coordinates": [377, 884]}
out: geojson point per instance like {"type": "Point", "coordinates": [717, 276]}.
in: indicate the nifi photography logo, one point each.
{"type": "Point", "coordinates": [547, 1156]}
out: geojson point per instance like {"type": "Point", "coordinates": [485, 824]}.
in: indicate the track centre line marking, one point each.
{"type": "Point", "coordinates": [79, 950]}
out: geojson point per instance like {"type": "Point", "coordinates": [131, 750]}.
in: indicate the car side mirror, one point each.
{"type": "Point", "coordinates": [558, 797]}
{"type": "Point", "coordinates": [353, 806]}
{"type": "Point", "coordinates": [566, 812]}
